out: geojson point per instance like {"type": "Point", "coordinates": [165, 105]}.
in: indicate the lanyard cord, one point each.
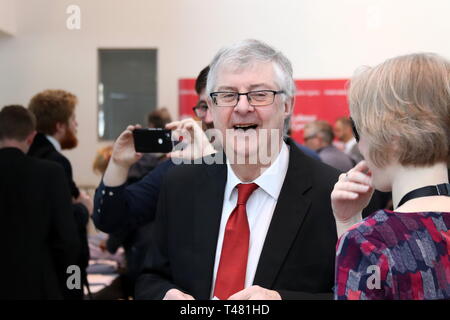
{"type": "Point", "coordinates": [437, 190]}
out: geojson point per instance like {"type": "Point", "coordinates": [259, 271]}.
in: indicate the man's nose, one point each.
{"type": "Point", "coordinates": [243, 106]}
{"type": "Point", "coordinates": [208, 117]}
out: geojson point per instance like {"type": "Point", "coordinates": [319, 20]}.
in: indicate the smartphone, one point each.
{"type": "Point", "coordinates": [153, 140]}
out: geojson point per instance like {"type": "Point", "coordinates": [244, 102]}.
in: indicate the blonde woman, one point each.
{"type": "Point", "coordinates": [401, 114]}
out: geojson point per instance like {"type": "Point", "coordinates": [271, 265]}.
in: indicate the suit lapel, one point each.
{"type": "Point", "coordinates": [208, 211]}
{"type": "Point", "coordinates": [290, 211]}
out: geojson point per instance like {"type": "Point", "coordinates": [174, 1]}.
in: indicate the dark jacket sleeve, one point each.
{"type": "Point", "coordinates": [116, 208]}
{"type": "Point", "coordinates": [118, 239]}
{"type": "Point", "coordinates": [64, 239]}
{"type": "Point", "coordinates": [65, 163]}
{"type": "Point", "coordinates": [81, 216]}
{"type": "Point", "coordinates": [80, 212]}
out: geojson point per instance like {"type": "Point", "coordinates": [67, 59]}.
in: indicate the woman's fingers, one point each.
{"type": "Point", "coordinates": [358, 174]}
{"type": "Point", "coordinates": [343, 195]}
{"type": "Point", "coordinates": [352, 186]}
{"type": "Point", "coordinates": [361, 166]}
{"type": "Point", "coordinates": [357, 177]}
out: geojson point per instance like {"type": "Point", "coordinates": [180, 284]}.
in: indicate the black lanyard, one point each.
{"type": "Point", "coordinates": [437, 190]}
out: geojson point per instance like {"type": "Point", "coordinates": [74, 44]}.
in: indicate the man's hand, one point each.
{"type": "Point", "coordinates": [123, 153]}
{"type": "Point", "coordinates": [255, 293]}
{"type": "Point", "coordinates": [352, 193]}
{"type": "Point", "coordinates": [175, 294]}
{"type": "Point", "coordinates": [196, 143]}
{"type": "Point", "coordinates": [122, 158]}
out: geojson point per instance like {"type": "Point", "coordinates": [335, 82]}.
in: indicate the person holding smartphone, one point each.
{"type": "Point", "coordinates": [118, 206]}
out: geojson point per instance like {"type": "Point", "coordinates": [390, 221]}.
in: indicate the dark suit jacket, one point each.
{"type": "Point", "coordinates": [42, 148]}
{"type": "Point", "coordinates": [298, 255]}
{"type": "Point", "coordinates": [38, 234]}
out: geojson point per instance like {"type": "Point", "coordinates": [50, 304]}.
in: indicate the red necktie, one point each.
{"type": "Point", "coordinates": [233, 260]}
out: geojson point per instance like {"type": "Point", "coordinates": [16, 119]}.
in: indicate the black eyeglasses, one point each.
{"type": "Point", "coordinates": [355, 132]}
{"type": "Point", "coordinates": [255, 98]}
{"type": "Point", "coordinates": [200, 110]}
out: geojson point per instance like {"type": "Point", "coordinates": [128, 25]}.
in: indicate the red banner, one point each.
{"type": "Point", "coordinates": [187, 97]}
{"type": "Point", "coordinates": [318, 100]}
{"type": "Point", "coordinates": [315, 100]}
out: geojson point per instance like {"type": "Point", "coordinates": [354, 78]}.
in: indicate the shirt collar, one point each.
{"type": "Point", "coordinates": [270, 181]}
{"type": "Point", "coordinates": [349, 144]}
{"type": "Point", "coordinates": [54, 142]}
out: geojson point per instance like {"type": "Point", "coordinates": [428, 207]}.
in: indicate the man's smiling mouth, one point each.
{"type": "Point", "coordinates": [245, 127]}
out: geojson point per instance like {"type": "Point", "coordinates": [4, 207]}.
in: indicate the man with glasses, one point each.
{"type": "Point", "coordinates": [201, 109]}
{"type": "Point", "coordinates": [260, 225]}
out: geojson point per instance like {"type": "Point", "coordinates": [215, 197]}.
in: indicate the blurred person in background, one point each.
{"type": "Point", "coordinates": [201, 108]}
{"type": "Point", "coordinates": [344, 133]}
{"type": "Point", "coordinates": [318, 136]}
{"type": "Point", "coordinates": [101, 160]}
{"type": "Point", "coordinates": [37, 230]}
{"type": "Point", "coordinates": [56, 126]}
{"type": "Point", "coordinates": [401, 113]}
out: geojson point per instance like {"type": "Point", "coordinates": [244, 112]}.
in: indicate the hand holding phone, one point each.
{"type": "Point", "coordinates": [195, 142]}
{"type": "Point", "coordinates": [124, 154]}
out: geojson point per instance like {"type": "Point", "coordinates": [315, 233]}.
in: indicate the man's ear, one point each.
{"type": "Point", "coordinates": [289, 106]}
{"type": "Point", "coordinates": [30, 138]}
{"type": "Point", "coordinates": [60, 127]}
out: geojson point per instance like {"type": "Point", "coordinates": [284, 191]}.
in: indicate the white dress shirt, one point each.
{"type": "Point", "coordinates": [260, 208]}
{"type": "Point", "coordinates": [54, 142]}
{"type": "Point", "coordinates": [348, 146]}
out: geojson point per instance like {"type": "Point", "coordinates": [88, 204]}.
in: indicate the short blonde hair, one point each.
{"type": "Point", "coordinates": [102, 159]}
{"type": "Point", "coordinates": [403, 107]}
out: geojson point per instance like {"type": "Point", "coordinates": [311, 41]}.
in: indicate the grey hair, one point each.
{"type": "Point", "coordinates": [287, 126]}
{"type": "Point", "coordinates": [323, 129]}
{"type": "Point", "coordinates": [243, 54]}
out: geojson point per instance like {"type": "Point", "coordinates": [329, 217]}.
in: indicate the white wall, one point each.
{"type": "Point", "coordinates": [323, 39]}
{"type": "Point", "coordinates": [7, 17]}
